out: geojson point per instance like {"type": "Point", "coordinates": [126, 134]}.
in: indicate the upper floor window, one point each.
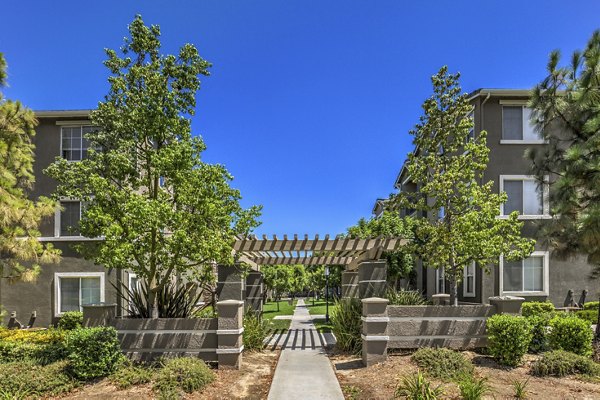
{"type": "Point", "coordinates": [67, 218]}
{"type": "Point", "coordinates": [516, 125]}
{"type": "Point", "coordinates": [74, 145]}
{"type": "Point", "coordinates": [529, 275]}
{"type": "Point", "coordinates": [525, 195]}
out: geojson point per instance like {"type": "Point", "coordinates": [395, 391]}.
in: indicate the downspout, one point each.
{"type": "Point", "coordinates": [481, 120]}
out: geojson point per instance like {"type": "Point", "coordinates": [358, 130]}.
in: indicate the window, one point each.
{"type": "Point", "coordinates": [74, 289]}
{"type": "Point", "coordinates": [134, 286]}
{"type": "Point", "coordinates": [469, 281]}
{"type": "Point", "coordinates": [67, 218]}
{"type": "Point", "coordinates": [529, 275]}
{"type": "Point", "coordinates": [516, 125]}
{"type": "Point", "coordinates": [440, 281]}
{"type": "Point", "coordinates": [74, 145]}
{"type": "Point", "coordinates": [525, 195]}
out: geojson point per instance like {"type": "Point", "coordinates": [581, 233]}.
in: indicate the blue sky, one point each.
{"type": "Point", "coordinates": [310, 102]}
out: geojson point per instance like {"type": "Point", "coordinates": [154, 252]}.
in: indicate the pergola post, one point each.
{"type": "Point", "coordinates": [254, 291]}
{"type": "Point", "coordinates": [372, 278]}
{"type": "Point", "coordinates": [230, 283]}
{"type": "Point", "coordinates": [349, 284]}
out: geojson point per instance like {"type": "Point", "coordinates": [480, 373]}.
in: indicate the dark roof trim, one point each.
{"type": "Point", "coordinates": [62, 113]}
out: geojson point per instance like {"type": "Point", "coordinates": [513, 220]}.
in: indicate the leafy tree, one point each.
{"type": "Point", "coordinates": [447, 166]}
{"type": "Point", "coordinates": [160, 209]}
{"type": "Point", "coordinates": [401, 264]}
{"type": "Point", "coordinates": [315, 279]}
{"type": "Point", "coordinates": [21, 253]}
{"type": "Point", "coordinates": [298, 280]}
{"type": "Point", "coordinates": [566, 112]}
{"type": "Point", "coordinates": [277, 279]}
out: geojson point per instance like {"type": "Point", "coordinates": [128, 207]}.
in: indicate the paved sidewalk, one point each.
{"type": "Point", "coordinates": [304, 372]}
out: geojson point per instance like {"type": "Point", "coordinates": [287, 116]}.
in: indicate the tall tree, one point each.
{"type": "Point", "coordinates": [159, 208]}
{"type": "Point", "coordinates": [21, 253]}
{"type": "Point", "coordinates": [401, 264]}
{"type": "Point", "coordinates": [447, 166]}
{"type": "Point", "coordinates": [566, 112]}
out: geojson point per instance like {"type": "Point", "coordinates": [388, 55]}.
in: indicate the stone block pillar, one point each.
{"type": "Point", "coordinates": [350, 284]}
{"type": "Point", "coordinates": [254, 291]}
{"type": "Point", "coordinates": [507, 304]}
{"type": "Point", "coordinates": [99, 314]}
{"type": "Point", "coordinates": [230, 283]}
{"type": "Point", "coordinates": [230, 328]}
{"type": "Point", "coordinates": [374, 333]}
{"type": "Point", "coordinates": [372, 278]}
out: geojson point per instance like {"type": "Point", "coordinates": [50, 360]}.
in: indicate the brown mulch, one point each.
{"type": "Point", "coordinates": [251, 382]}
{"type": "Point", "coordinates": [380, 381]}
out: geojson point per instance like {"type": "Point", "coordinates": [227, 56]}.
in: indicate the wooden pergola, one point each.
{"type": "Point", "coordinates": [312, 251]}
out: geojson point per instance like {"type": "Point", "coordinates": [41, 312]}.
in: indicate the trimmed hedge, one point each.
{"type": "Point", "coordinates": [530, 308]}
{"type": "Point", "coordinates": [93, 352]}
{"type": "Point", "coordinates": [509, 338]}
{"type": "Point", "coordinates": [591, 316]}
{"type": "Point", "coordinates": [561, 363]}
{"type": "Point", "coordinates": [592, 305]}
{"type": "Point", "coordinates": [71, 320]}
{"type": "Point", "coordinates": [540, 327]}
{"type": "Point", "coordinates": [40, 353]}
{"type": "Point", "coordinates": [571, 334]}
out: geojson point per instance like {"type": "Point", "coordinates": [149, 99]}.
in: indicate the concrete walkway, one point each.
{"type": "Point", "coordinates": [304, 372]}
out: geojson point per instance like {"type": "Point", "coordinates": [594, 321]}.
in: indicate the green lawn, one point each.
{"type": "Point", "coordinates": [323, 326]}
{"type": "Point", "coordinates": [270, 311]}
{"type": "Point", "coordinates": [319, 307]}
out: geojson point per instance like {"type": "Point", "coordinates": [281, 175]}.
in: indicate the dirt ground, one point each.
{"type": "Point", "coordinates": [379, 381]}
{"type": "Point", "coordinates": [251, 382]}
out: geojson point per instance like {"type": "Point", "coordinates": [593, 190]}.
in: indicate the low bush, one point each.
{"type": "Point", "coordinates": [128, 375]}
{"type": "Point", "coordinates": [182, 374]}
{"type": "Point", "coordinates": [530, 308]}
{"type": "Point", "coordinates": [25, 379]}
{"type": "Point", "coordinates": [417, 387]}
{"type": "Point", "coordinates": [40, 336]}
{"type": "Point", "coordinates": [473, 388]}
{"type": "Point", "coordinates": [41, 354]}
{"type": "Point", "coordinates": [540, 326]}
{"type": "Point", "coordinates": [592, 305]}
{"type": "Point", "coordinates": [71, 320]}
{"type": "Point", "coordinates": [509, 338]}
{"type": "Point", "coordinates": [571, 334]}
{"type": "Point", "coordinates": [596, 350]}
{"type": "Point", "coordinates": [561, 363]}
{"type": "Point", "coordinates": [442, 363]}
{"type": "Point", "coordinates": [346, 324]}
{"type": "Point", "coordinates": [255, 331]}
{"type": "Point", "coordinates": [93, 352]}
{"type": "Point", "coordinates": [405, 297]}
{"type": "Point", "coordinates": [591, 316]}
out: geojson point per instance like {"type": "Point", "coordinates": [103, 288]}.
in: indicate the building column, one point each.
{"type": "Point", "coordinates": [372, 278]}
{"type": "Point", "coordinates": [374, 333]}
{"type": "Point", "coordinates": [230, 328]}
{"type": "Point", "coordinates": [254, 291]}
{"type": "Point", "coordinates": [350, 284]}
{"type": "Point", "coordinates": [230, 283]}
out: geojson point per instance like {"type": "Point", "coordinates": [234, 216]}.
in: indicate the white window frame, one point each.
{"type": "Point", "coordinates": [464, 283]}
{"type": "Point", "coordinates": [130, 275]}
{"type": "Point", "coordinates": [57, 213]}
{"type": "Point", "coordinates": [545, 279]}
{"type": "Point", "coordinates": [441, 270]}
{"type": "Point", "coordinates": [545, 195]}
{"type": "Point", "coordinates": [57, 287]}
{"type": "Point", "coordinates": [71, 126]}
{"type": "Point", "coordinates": [522, 104]}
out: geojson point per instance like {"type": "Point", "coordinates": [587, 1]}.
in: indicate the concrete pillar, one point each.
{"type": "Point", "coordinates": [230, 328]}
{"type": "Point", "coordinates": [230, 283]}
{"type": "Point", "coordinates": [441, 299]}
{"type": "Point", "coordinates": [507, 304]}
{"type": "Point", "coordinates": [350, 284]}
{"type": "Point", "coordinates": [372, 278]}
{"type": "Point", "coordinates": [374, 333]}
{"type": "Point", "coordinates": [254, 291]}
{"type": "Point", "coordinates": [99, 315]}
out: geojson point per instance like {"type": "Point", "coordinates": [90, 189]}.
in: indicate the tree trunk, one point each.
{"type": "Point", "coordinates": [453, 289]}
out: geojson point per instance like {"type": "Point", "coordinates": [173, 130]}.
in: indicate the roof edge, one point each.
{"type": "Point", "coordinates": [62, 113]}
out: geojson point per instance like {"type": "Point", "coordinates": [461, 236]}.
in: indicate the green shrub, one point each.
{"type": "Point", "coordinates": [405, 297]}
{"type": "Point", "coordinates": [182, 374]}
{"type": "Point", "coordinates": [346, 324]}
{"type": "Point", "coordinates": [539, 328]}
{"type": "Point", "coordinates": [417, 387]}
{"type": "Point", "coordinates": [71, 320]}
{"type": "Point", "coordinates": [255, 331]}
{"type": "Point", "coordinates": [128, 375]}
{"type": "Point", "coordinates": [26, 379]}
{"type": "Point", "coordinates": [591, 316]}
{"type": "Point", "coordinates": [508, 337]}
{"type": "Point", "coordinates": [40, 353]}
{"type": "Point", "coordinates": [571, 334]}
{"type": "Point", "coordinates": [93, 352]}
{"type": "Point", "coordinates": [530, 308]}
{"type": "Point", "coordinates": [40, 336]}
{"type": "Point", "coordinates": [592, 305]}
{"type": "Point", "coordinates": [442, 363]}
{"type": "Point", "coordinates": [561, 363]}
{"type": "Point", "coordinates": [472, 388]}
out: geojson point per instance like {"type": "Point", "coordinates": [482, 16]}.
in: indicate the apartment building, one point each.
{"type": "Point", "coordinates": [73, 281]}
{"type": "Point", "coordinates": [503, 113]}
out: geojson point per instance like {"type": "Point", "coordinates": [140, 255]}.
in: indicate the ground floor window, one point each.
{"type": "Point", "coordinates": [74, 290]}
{"type": "Point", "coordinates": [469, 280]}
{"type": "Point", "coordinates": [529, 275]}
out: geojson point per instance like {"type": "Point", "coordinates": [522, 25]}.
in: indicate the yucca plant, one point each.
{"type": "Point", "coordinates": [346, 324]}
{"type": "Point", "coordinates": [173, 301]}
{"type": "Point", "coordinates": [417, 387]}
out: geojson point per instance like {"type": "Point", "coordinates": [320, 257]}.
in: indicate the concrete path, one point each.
{"type": "Point", "coordinates": [304, 371]}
